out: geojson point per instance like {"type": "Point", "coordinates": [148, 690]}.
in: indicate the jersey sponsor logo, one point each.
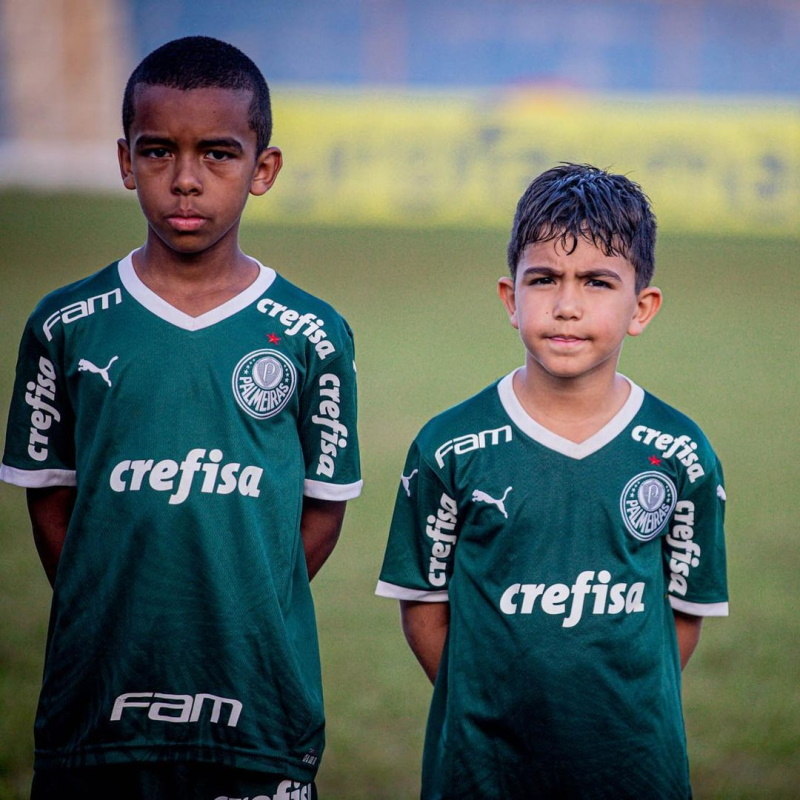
{"type": "Point", "coordinates": [682, 447]}
{"type": "Point", "coordinates": [684, 551]}
{"type": "Point", "coordinates": [333, 433]}
{"type": "Point", "coordinates": [308, 325]}
{"type": "Point", "coordinates": [406, 481]}
{"type": "Point", "coordinates": [263, 383]}
{"type": "Point", "coordinates": [479, 496]}
{"type": "Point", "coordinates": [84, 365]}
{"type": "Point", "coordinates": [39, 395]}
{"type": "Point", "coordinates": [439, 528]}
{"type": "Point", "coordinates": [646, 503]}
{"type": "Point", "coordinates": [472, 441]}
{"type": "Point", "coordinates": [561, 599]}
{"type": "Point", "coordinates": [287, 790]}
{"type": "Point", "coordinates": [178, 477]}
{"type": "Point", "coordinates": [178, 708]}
{"type": "Point", "coordinates": [82, 308]}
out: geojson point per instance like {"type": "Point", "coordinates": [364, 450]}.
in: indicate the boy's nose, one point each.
{"type": "Point", "coordinates": [567, 304]}
{"type": "Point", "coordinates": [186, 179]}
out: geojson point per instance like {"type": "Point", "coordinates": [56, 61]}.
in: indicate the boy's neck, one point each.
{"type": "Point", "coordinates": [574, 409]}
{"type": "Point", "coordinates": [194, 283]}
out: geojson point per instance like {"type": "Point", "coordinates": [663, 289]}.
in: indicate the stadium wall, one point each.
{"type": "Point", "coordinates": [463, 158]}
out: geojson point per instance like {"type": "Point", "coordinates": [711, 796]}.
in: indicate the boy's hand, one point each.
{"type": "Point", "coordinates": [687, 628]}
{"type": "Point", "coordinates": [425, 626]}
{"type": "Point", "coordinates": [320, 526]}
{"type": "Point", "coordinates": [50, 510]}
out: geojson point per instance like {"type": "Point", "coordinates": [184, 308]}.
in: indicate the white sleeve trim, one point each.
{"type": "Point", "coordinates": [37, 478]}
{"type": "Point", "coordinates": [320, 490]}
{"type": "Point", "coordinates": [699, 609]}
{"type": "Point", "coordinates": [384, 589]}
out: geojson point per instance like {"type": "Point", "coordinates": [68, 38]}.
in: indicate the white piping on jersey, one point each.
{"type": "Point", "coordinates": [386, 589]}
{"type": "Point", "coordinates": [545, 437]}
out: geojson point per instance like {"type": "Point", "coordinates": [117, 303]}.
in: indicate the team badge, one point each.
{"type": "Point", "coordinates": [263, 383]}
{"type": "Point", "coordinates": [647, 503]}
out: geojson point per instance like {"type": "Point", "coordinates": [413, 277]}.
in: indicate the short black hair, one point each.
{"type": "Point", "coordinates": [201, 62]}
{"type": "Point", "coordinates": [574, 200]}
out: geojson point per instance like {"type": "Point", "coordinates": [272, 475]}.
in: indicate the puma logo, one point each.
{"type": "Point", "coordinates": [406, 480]}
{"type": "Point", "coordinates": [84, 365]}
{"type": "Point", "coordinates": [481, 497]}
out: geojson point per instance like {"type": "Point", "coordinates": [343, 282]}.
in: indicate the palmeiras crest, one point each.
{"type": "Point", "coordinates": [263, 383]}
{"type": "Point", "coordinates": [647, 503]}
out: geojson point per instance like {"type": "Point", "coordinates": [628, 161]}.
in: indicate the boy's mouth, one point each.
{"type": "Point", "coordinates": [564, 339]}
{"type": "Point", "coordinates": [185, 223]}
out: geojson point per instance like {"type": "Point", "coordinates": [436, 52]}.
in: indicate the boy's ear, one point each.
{"type": "Point", "coordinates": [647, 304]}
{"type": "Point", "coordinates": [125, 165]}
{"type": "Point", "coordinates": [268, 165]}
{"type": "Point", "coordinates": [505, 288]}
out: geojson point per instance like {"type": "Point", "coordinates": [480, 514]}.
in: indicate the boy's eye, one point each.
{"type": "Point", "coordinates": [219, 155]}
{"type": "Point", "coordinates": [155, 152]}
{"type": "Point", "coordinates": [599, 282]}
{"type": "Point", "coordinates": [542, 280]}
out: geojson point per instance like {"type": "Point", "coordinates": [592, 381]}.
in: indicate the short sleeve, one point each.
{"type": "Point", "coordinates": [694, 549]}
{"type": "Point", "coordinates": [418, 563]}
{"type": "Point", "coordinates": [328, 428]}
{"type": "Point", "coordinates": [39, 447]}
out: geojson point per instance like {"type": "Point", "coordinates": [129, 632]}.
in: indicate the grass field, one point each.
{"type": "Point", "coordinates": [429, 331]}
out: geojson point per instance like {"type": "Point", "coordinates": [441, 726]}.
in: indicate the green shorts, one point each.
{"type": "Point", "coordinates": [181, 781]}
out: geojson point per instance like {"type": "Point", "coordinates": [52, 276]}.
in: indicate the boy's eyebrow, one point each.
{"type": "Point", "coordinates": [227, 142]}
{"type": "Point", "coordinates": [599, 273]}
{"type": "Point", "coordinates": [541, 271]}
{"type": "Point", "coordinates": [146, 140]}
{"type": "Point", "coordinates": [588, 273]}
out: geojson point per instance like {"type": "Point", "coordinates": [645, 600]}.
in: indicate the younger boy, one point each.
{"type": "Point", "coordinates": [557, 538]}
{"type": "Point", "coordinates": [185, 423]}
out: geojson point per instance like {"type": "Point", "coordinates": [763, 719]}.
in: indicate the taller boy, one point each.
{"type": "Point", "coordinates": [185, 423]}
{"type": "Point", "coordinates": [558, 537]}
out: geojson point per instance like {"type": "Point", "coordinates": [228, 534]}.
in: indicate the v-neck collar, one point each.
{"type": "Point", "coordinates": [161, 308]}
{"type": "Point", "coordinates": [559, 444]}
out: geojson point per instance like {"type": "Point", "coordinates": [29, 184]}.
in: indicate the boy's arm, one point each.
{"type": "Point", "coordinates": [320, 526]}
{"type": "Point", "coordinates": [687, 628]}
{"type": "Point", "coordinates": [425, 626]}
{"type": "Point", "coordinates": [50, 510]}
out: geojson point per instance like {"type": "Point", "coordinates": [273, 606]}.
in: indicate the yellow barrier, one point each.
{"type": "Point", "coordinates": [464, 158]}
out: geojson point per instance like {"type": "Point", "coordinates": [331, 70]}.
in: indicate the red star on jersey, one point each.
{"type": "Point", "coordinates": [654, 460]}
{"type": "Point", "coordinates": [273, 338]}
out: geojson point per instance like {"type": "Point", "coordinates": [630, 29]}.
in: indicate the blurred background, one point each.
{"type": "Point", "coordinates": [432, 111]}
{"type": "Point", "coordinates": [409, 129]}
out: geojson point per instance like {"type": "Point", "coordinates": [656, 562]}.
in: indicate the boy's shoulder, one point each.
{"type": "Point", "coordinates": [662, 414]}
{"type": "Point", "coordinates": [286, 302]}
{"type": "Point", "coordinates": [87, 290]}
{"type": "Point", "coordinates": [472, 417]}
{"type": "Point", "coordinates": [81, 298]}
{"type": "Point", "coordinates": [665, 428]}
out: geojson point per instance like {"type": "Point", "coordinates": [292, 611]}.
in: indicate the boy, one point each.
{"type": "Point", "coordinates": [558, 537]}
{"type": "Point", "coordinates": [184, 422]}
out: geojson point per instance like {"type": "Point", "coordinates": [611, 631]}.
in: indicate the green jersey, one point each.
{"type": "Point", "coordinates": [562, 564]}
{"type": "Point", "coordinates": [182, 624]}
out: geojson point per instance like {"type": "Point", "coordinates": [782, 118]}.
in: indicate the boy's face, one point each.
{"type": "Point", "coordinates": [574, 310]}
{"type": "Point", "coordinates": [191, 157]}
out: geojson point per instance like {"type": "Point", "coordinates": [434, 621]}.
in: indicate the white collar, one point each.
{"type": "Point", "coordinates": [559, 444]}
{"type": "Point", "coordinates": [161, 308]}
